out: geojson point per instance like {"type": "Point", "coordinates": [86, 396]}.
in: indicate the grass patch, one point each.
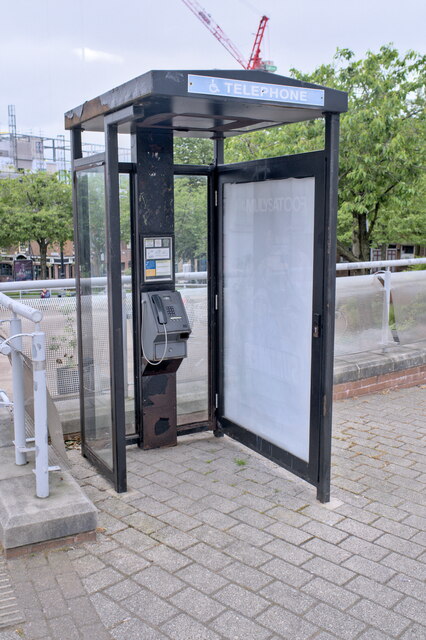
{"type": "Point", "coordinates": [240, 462]}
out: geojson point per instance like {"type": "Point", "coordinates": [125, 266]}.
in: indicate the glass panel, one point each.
{"type": "Point", "coordinates": [409, 303]}
{"type": "Point", "coordinates": [268, 272]}
{"type": "Point", "coordinates": [126, 291]}
{"type": "Point", "coordinates": [359, 315]}
{"type": "Point", "coordinates": [96, 381]}
{"type": "Point", "coordinates": [191, 256]}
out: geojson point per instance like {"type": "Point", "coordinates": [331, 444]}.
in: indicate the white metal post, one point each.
{"type": "Point", "coordinates": [40, 415]}
{"type": "Point", "coordinates": [18, 391]}
{"type": "Point", "coordinates": [387, 275]}
{"type": "Point", "coordinates": [125, 359]}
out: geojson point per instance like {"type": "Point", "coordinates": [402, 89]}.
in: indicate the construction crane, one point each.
{"type": "Point", "coordinates": [255, 61]}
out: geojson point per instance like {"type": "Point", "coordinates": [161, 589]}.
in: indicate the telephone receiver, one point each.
{"type": "Point", "coordinates": [159, 309]}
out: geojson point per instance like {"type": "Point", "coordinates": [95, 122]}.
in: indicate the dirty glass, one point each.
{"type": "Point", "coordinates": [268, 284]}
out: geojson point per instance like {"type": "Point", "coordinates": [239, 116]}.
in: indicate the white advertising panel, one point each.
{"type": "Point", "coordinates": [268, 282]}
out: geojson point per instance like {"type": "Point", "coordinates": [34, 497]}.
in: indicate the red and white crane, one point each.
{"type": "Point", "coordinates": [255, 61]}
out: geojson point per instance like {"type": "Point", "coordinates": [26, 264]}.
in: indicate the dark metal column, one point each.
{"type": "Point", "coordinates": [329, 287]}
{"type": "Point", "coordinates": [153, 155]}
{"type": "Point", "coordinates": [112, 201]}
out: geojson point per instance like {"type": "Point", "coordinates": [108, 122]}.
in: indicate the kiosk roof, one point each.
{"type": "Point", "coordinates": [208, 103]}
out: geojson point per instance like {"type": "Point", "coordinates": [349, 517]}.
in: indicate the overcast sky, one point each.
{"type": "Point", "coordinates": [54, 55]}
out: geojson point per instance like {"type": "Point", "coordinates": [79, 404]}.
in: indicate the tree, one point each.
{"type": "Point", "coordinates": [382, 145]}
{"type": "Point", "coordinates": [35, 206]}
{"type": "Point", "coordinates": [190, 218]}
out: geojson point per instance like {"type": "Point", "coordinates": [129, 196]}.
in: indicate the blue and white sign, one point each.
{"type": "Point", "coordinates": [230, 88]}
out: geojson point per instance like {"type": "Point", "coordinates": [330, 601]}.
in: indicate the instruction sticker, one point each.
{"type": "Point", "coordinates": [158, 259]}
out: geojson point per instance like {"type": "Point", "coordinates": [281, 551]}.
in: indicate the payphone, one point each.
{"type": "Point", "coordinates": [165, 327]}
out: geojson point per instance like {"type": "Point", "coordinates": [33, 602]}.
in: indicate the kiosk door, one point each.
{"type": "Point", "coordinates": [271, 301]}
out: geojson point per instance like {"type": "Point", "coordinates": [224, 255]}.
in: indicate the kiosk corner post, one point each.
{"type": "Point", "coordinates": [329, 288]}
{"type": "Point", "coordinates": [153, 156]}
{"type": "Point", "coordinates": [112, 202]}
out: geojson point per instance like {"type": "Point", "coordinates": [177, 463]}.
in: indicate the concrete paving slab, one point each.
{"type": "Point", "coordinates": [26, 519]}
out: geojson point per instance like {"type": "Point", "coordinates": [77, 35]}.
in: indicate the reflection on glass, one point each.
{"type": "Point", "coordinates": [268, 271]}
{"type": "Point", "coordinates": [126, 293]}
{"type": "Point", "coordinates": [96, 381]}
{"type": "Point", "coordinates": [191, 255]}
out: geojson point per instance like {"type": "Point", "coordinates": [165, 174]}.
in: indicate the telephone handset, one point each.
{"type": "Point", "coordinates": [159, 308]}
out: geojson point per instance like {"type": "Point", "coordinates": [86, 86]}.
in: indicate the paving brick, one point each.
{"type": "Point", "coordinates": [53, 603]}
{"type": "Point", "coordinates": [150, 506]}
{"type": "Point", "coordinates": [325, 532]}
{"type": "Point", "coordinates": [173, 537]}
{"type": "Point", "coordinates": [158, 580]}
{"type": "Point", "coordinates": [359, 529]}
{"type": "Point", "coordinates": [369, 568]}
{"type": "Point", "coordinates": [250, 534]}
{"type": "Point", "coordinates": [409, 586]}
{"type": "Point", "coordinates": [125, 561]}
{"type": "Point", "coordinates": [210, 558]}
{"type": "Point", "coordinates": [286, 572]}
{"type": "Point", "coordinates": [153, 609]}
{"type": "Point", "coordinates": [135, 540]}
{"type": "Point", "coordinates": [328, 570]}
{"type": "Point", "coordinates": [286, 624]}
{"type": "Point", "coordinates": [104, 578]}
{"type": "Point", "coordinates": [371, 589]}
{"type": "Point", "coordinates": [360, 547]}
{"type": "Point", "coordinates": [64, 628]}
{"type": "Point", "coordinates": [292, 518]}
{"type": "Point", "coordinates": [288, 552]}
{"type": "Point", "coordinates": [136, 630]}
{"type": "Point", "coordinates": [322, 514]}
{"type": "Point", "coordinates": [197, 604]}
{"type": "Point", "coordinates": [405, 565]}
{"type": "Point", "coordinates": [70, 585]}
{"type": "Point", "coordinates": [396, 528]}
{"type": "Point", "coordinates": [326, 550]}
{"type": "Point", "coordinates": [343, 625]}
{"type": "Point", "coordinates": [82, 610]}
{"type": "Point", "coordinates": [332, 594]}
{"type": "Point", "coordinates": [247, 553]}
{"type": "Point", "coordinates": [122, 590]}
{"type": "Point", "coordinates": [400, 545]}
{"type": "Point", "coordinates": [288, 533]}
{"type": "Point", "coordinates": [383, 619]}
{"type": "Point", "coordinates": [236, 627]}
{"type": "Point", "coordinates": [412, 608]}
{"type": "Point", "coordinates": [201, 578]}
{"type": "Point", "coordinates": [167, 558]}
{"type": "Point", "coordinates": [143, 522]}
{"type": "Point", "coordinates": [109, 612]}
{"type": "Point", "coordinates": [247, 603]}
{"type": "Point", "coordinates": [179, 520]}
{"type": "Point", "coordinates": [246, 576]}
{"type": "Point", "coordinates": [217, 519]}
{"type": "Point", "coordinates": [297, 601]}
{"type": "Point", "coordinates": [415, 632]}
{"type": "Point", "coordinates": [92, 631]}
{"type": "Point", "coordinates": [183, 627]}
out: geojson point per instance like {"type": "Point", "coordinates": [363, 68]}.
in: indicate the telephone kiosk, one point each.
{"type": "Point", "coordinates": [165, 327]}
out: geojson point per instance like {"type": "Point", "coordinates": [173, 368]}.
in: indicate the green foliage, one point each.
{"type": "Point", "coordinates": [193, 151]}
{"type": "Point", "coordinates": [240, 462]}
{"type": "Point", "coordinates": [190, 218]}
{"type": "Point", "coordinates": [35, 206]}
{"type": "Point", "coordinates": [382, 146]}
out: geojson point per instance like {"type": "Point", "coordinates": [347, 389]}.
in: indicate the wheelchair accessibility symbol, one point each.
{"type": "Point", "coordinates": [213, 88]}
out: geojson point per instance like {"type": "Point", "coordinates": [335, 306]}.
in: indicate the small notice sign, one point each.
{"type": "Point", "coordinates": [158, 259]}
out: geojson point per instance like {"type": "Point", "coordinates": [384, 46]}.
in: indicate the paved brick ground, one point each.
{"type": "Point", "coordinates": [213, 541]}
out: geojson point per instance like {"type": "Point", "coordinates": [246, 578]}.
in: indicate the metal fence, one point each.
{"type": "Point", "coordinates": [373, 311]}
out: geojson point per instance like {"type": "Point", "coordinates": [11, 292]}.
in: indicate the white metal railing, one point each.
{"type": "Point", "coordinates": [363, 310]}
{"type": "Point", "coordinates": [12, 346]}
